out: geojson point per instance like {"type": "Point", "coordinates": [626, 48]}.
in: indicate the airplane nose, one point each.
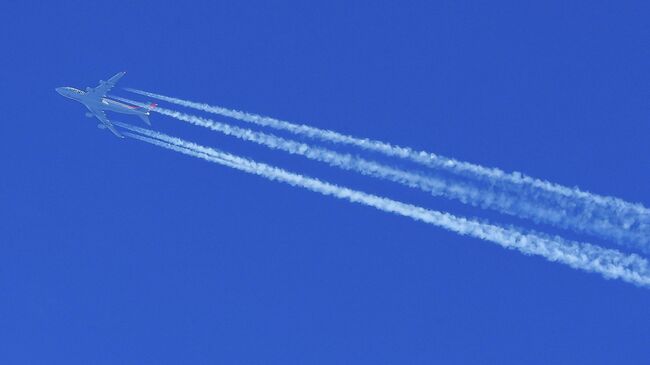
{"type": "Point", "coordinates": [59, 90]}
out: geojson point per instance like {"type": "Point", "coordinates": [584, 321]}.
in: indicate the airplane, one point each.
{"type": "Point", "coordinates": [97, 103]}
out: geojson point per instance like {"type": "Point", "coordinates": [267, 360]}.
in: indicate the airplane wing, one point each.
{"type": "Point", "coordinates": [105, 86]}
{"type": "Point", "coordinates": [105, 122]}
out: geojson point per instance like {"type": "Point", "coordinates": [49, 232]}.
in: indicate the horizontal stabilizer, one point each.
{"type": "Point", "coordinates": [145, 118]}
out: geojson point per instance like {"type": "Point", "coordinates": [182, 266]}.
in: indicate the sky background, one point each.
{"type": "Point", "coordinates": [117, 252]}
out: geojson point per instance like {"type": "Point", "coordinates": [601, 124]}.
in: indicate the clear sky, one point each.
{"type": "Point", "coordinates": [118, 252]}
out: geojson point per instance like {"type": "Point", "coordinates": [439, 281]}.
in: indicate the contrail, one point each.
{"type": "Point", "coordinates": [588, 205]}
{"type": "Point", "coordinates": [438, 187]}
{"type": "Point", "coordinates": [609, 263]}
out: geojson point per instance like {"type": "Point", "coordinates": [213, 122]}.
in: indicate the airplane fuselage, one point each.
{"type": "Point", "coordinates": [94, 103]}
{"type": "Point", "coordinates": [95, 100]}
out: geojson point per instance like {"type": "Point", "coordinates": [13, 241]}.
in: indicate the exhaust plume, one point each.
{"type": "Point", "coordinates": [609, 263]}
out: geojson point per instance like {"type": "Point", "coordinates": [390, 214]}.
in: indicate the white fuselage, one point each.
{"type": "Point", "coordinates": [102, 103]}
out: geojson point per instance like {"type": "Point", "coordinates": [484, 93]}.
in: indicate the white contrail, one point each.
{"type": "Point", "coordinates": [589, 205]}
{"type": "Point", "coordinates": [609, 263]}
{"type": "Point", "coordinates": [465, 193]}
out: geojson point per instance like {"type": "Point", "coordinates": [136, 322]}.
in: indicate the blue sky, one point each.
{"type": "Point", "coordinates": [114, 251]}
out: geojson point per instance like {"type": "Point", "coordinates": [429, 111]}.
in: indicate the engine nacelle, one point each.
{"type": "Point", "coordinates": [101, 126]}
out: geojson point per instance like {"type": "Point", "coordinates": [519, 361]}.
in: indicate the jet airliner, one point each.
{"type": "Point", "coordinates": [97, 103]}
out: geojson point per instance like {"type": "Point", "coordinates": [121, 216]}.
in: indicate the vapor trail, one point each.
{"type": "Point", "coordinates": [607, 262]}
{"type": "Point", "coordinates": [465, 193]}
{"type": "Point", "coordinates": [576, 202]}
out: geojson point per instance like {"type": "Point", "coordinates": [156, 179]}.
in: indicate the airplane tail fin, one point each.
{"type": "Point", "coordinates": [145, 116]}
{"type": "Point", "coordinates": [151, 106]}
